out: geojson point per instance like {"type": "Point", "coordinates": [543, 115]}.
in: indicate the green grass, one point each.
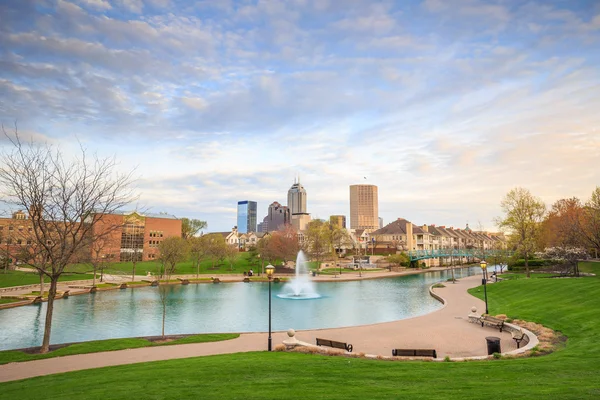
{"type": "Point", "coordinates": [109, 345]}
{"type": "Point", "coordinates": [568, 305]}
{"type": "Point", "coordinates": [188, 267]}
{"type": "Point", "coordinates": [8, 301]}
{"type": "Point", "coordinates": [20, 278]}
{"type": "Point", "coordinates": [589, 266]}
{"type": "Point", "coordinates": [512, 276]}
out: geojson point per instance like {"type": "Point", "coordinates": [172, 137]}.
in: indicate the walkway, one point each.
{"type": "Point", "coordinates": [447, 330]}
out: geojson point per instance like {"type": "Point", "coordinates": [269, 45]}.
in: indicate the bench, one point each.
{"type": "Point", "coordinates": [414, 353]}
{"type": "Point", "coordinates": [492, 321]}
{"type": "Point", "coordinates": [518, 337]}
{"type": "Point", "coordinates": [334, 344]}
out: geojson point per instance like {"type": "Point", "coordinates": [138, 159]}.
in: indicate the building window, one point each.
{"type": "Point", "coordinates": [10, 228]}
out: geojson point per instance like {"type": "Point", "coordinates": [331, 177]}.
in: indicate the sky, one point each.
{"type": "Point", "coordinates": [444, 105]}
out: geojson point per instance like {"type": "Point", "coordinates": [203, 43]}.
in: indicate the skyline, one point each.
{"type": "Point", "coordinates": [444, 109]}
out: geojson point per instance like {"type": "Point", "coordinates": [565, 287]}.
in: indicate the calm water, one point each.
{"type": "Point", "coordinates": [226, 307]}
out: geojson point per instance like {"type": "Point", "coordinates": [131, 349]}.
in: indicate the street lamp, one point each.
{"type": "Point", "coordinates": [269, 269]}
{"type": "Point", "coordinates": [483, 282]}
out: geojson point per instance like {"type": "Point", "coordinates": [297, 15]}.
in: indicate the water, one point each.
{"type": "Point", "coordinates": [300, 287]}
{"type": "Point", "coordinates": [226, 307]}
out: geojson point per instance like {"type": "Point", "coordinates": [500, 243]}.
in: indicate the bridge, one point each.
{"type": "Point", "coordinates": [416, 255]}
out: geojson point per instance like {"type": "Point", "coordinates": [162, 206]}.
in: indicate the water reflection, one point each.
{"type": "Point", "coordinates": [230, 307]}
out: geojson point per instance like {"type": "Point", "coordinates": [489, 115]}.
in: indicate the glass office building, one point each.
{"type": "Point", "coordinates": [246, 216]}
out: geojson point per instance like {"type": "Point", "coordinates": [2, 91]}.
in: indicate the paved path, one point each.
{"type": "Point", "coordinates": [447, 330]}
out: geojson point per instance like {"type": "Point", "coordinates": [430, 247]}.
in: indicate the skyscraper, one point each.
{"type": "Point", "coordinates": [364, 207]}
{"type": "Point", "coordinates": [246, 216]}
{"type": "Point", "coordinates": [297, 206]}
{"type": "Point", "coordinates": [297, 198]}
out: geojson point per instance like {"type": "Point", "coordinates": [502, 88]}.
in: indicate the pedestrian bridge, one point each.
{"type": "Point", "coordinates": [416, 255]}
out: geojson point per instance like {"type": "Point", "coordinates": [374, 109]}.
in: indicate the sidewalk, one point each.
{"type": "Point", "coordinates": [446, 330]}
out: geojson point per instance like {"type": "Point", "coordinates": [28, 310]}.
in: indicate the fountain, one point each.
{"type": "Point", "coordinates": [300, 287]}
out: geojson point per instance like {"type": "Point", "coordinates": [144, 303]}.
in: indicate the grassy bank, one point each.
{"type": "Point", "coordinates": [110, 345]}
{"type": "Point", "coordinates": [568, 305]}
{"type": "Point", "coordinates": [20, 278]}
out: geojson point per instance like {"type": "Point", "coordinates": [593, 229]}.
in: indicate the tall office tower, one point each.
{"type": "Point", "coordinates": [364, 207]}
{"type": "Point", "coordinates": [246, 216]}
{"type": "Point", "coordinates": [297, 198]}
{"type": "Point", "coordinates": [338, 220]}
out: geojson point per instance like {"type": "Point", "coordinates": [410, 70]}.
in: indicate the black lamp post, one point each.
{"type": "Point", "coordinates": [483, 282]}
{"type": "Point", "coordinates": [269, 269]}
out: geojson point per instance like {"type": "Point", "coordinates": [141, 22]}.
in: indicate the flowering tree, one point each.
{"type": "Point", "coordinates": [569, 256]}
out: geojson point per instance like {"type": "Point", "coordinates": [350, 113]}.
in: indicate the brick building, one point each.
{"type": "Point", "coordinates": [123, 237]}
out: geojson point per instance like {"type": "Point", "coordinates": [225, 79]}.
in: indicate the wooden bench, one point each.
{"type": "Point", "coordinates": [518, 336]}
{"type": "Point", "coordinates": [414, 353]}
{"type": "Point", "coordinates": [492, 321]}
{"type": "Point", "coordinates": [334, 344]}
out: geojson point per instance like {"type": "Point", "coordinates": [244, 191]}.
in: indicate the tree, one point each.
{"type": "Point", "coordinates": [590, 224]}
{"type": "Point", "coordinates": [283, 245]}
{"type": "Point", "coordinates": [65, 200]}
{"type": "Point", "coordinates": [231, 254]}
{"type": "Point", "coordinates": [569, 256]}
{"type": "Point", "coordinates": [562, 225]}
{"type": "Point", "coordinates": [173, 250]}
{"type": "Point", "coordinates": [340, 239]}
{"type": "Point", "coordinates": [318, 240]}
{"type": "Point", "coordinates": [523, 214]}
{"type": "Point", "coordinates": [217, 247]}
{"type": "Point", "coordinates": [399, 260]}
{"type": "Point", "coordinates": [191, 227]}
{"type": "Point", "coordinates": [200, 250]}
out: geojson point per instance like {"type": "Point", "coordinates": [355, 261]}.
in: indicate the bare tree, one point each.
{"type": "Point", "coordinates": [66, 199]}
{"type": "Point", "coordinates": [173, 250]}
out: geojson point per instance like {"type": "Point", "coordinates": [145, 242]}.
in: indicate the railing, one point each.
{"type": "Point", "coordinates": [475, 253]}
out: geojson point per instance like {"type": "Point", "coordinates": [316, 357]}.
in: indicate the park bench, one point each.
{"type": "Point", "coordinates": [334, 344]}
{"type": "Point", "coordinates": [518, 336]}
{"type": "Point", "coordinates": [492, 321]}
{"type": "Point", "coordinates": [414, 353]}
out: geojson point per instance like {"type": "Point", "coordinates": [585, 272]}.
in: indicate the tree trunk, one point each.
{"type": "Point", "coordinates": [452, 269]}
{"type": "Point", "coordinates": [41, 284]}
{"type": "Point", "coordinates": [94, 281]}
{"type": "Point", "coordinates": [133, 273]}
{"type": "Point", "coordinates": [198, 270]}
{"type": "Point", "coordinates": [164, 314]}
{"type": "Point", "coordinates": [527, 265]}
{"type": "Point", "coordinates": [49, 310]}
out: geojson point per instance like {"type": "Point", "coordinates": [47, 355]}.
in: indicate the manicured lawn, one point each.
{"type": "Point", "coordinates": [589, 266]}
{"type": "Point", "coordinates": [19, 278]}
{"type": "Point", "coordinates": [569, 305]}
{"type": "Point", "coordinates": [188, 267]}
{"type": "Point", "coordinates": [109, 345]}
{"type": "Point", "coordinates": [7, 301]}
{"type": "Point", "coordinates": [510, 276]}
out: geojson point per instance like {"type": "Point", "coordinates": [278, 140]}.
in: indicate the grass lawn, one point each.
{"type": "Point", "coordinates": [7, 301]}
{"type": "Point", "coordinates": [569, 305]}
{"type": "Point", "coordinates": [188, 267]}
{"type": "Point", "coordinates": [19, 278]}
{"type": "Point", "coordinates": [109, 345]}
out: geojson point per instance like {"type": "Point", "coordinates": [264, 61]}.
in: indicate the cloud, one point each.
{"type": "Point", "coordinates": [444, 106]}
{"type": "Point", "coordinates": [96, 4]}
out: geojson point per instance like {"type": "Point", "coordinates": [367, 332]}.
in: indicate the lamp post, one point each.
{"type": "Point", "coordinates": [269, 269]}
{"type": "Point", "coordinates": [483, 282]}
